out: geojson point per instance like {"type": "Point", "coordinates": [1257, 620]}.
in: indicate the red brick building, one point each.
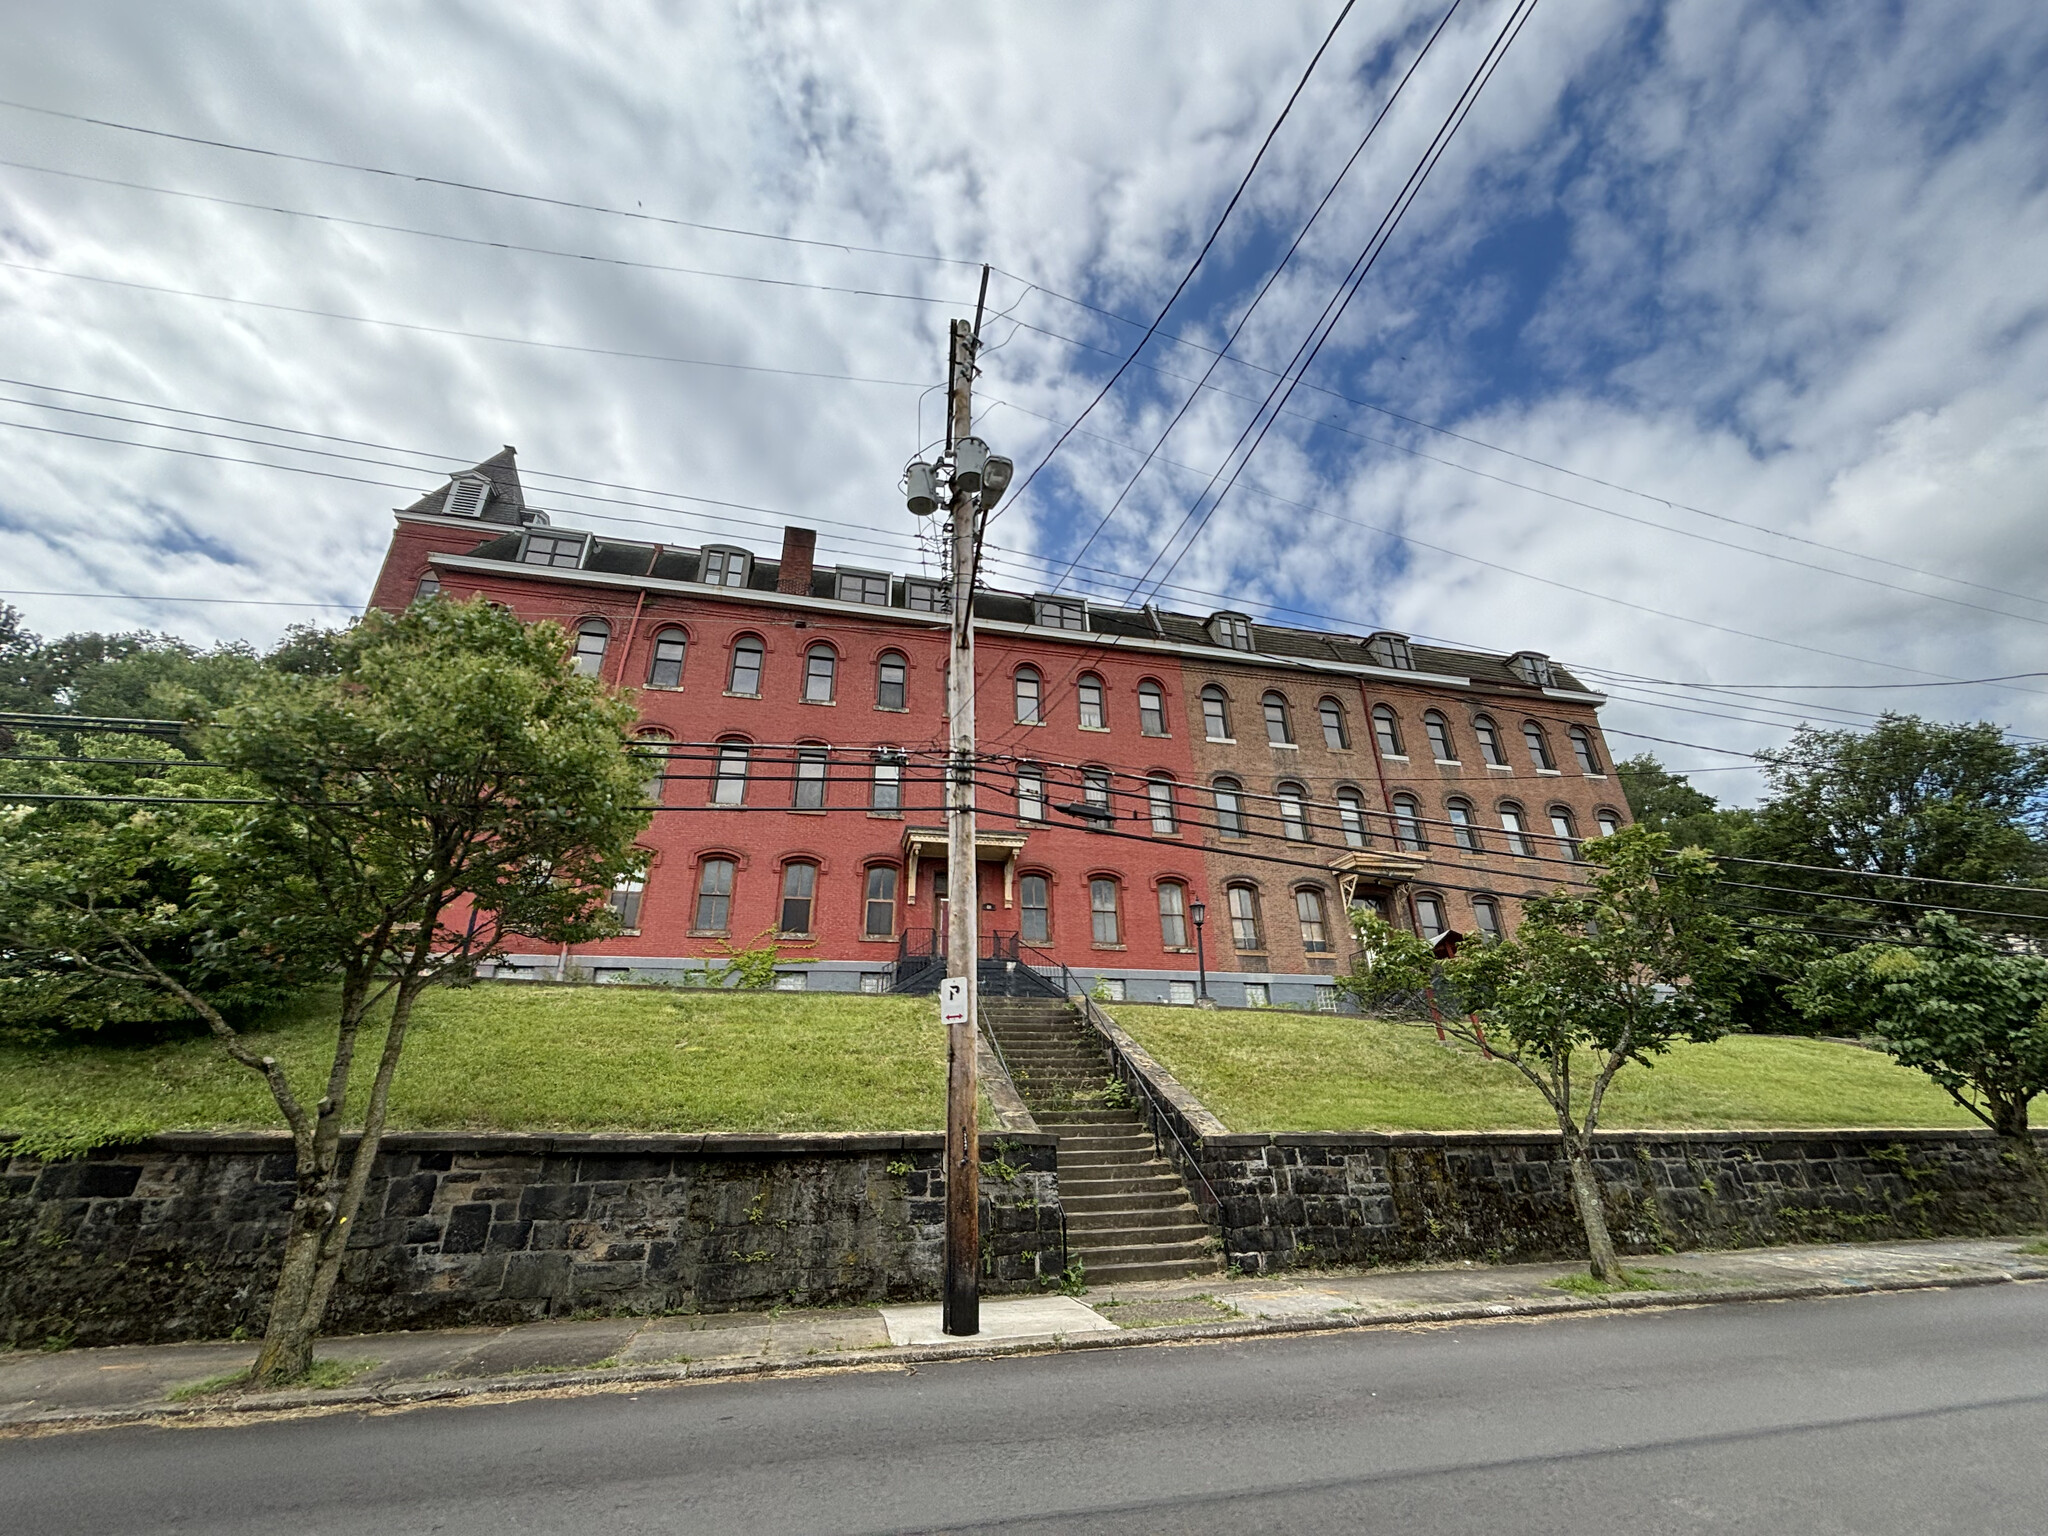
{"type": "Point", "coordinates": [1138, 764]}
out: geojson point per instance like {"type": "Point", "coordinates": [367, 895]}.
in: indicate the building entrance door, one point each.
{"type": "Point", "coordinates": [939, 909]}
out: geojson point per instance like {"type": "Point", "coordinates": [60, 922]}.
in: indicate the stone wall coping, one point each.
{"type": "Point", "coordinates": [1164, 1083]}
{"type": "Point", "coordinates": [1230, 1141]}
{"type": "Point", "coordinates": [589, 1143]}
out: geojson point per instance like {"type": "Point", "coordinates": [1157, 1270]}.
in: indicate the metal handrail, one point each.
{"type": "Point", "coordinates": [1094, 1015]}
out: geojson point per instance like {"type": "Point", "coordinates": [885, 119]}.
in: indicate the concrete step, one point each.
{"type": "Point", "coordinates": [1088, 1118]}
{"type": "Point", "coordinates": [1120, 1189]}
{"type": "Point", "coordinates": [1140, 1226]}
{"type": "Point", "coordinates": [1106, 1274]}
{"type": "Point", "coordinates": [1194, 1250]}
{"type": "Point", "coordinates": [1113, 1141]}
{"type": "Point", "coordinates": [1164, 1198]}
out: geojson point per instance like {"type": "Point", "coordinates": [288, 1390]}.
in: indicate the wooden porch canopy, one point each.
{"type": "Point", "coordinates": [989, 847]}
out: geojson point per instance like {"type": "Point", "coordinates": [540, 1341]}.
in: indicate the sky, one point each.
{"type": "Point", "coordinates": [1710, 356]}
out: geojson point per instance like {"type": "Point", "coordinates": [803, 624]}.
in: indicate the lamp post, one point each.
{"type": "Point", "coordinates": [1199, 910]}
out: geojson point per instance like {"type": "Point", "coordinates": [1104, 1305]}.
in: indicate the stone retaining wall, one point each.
{"type": "Point", "coordinates": [178, 1237]}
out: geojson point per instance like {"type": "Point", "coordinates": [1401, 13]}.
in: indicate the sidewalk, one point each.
{"type": "Point", "coordinates": [86, 1386]}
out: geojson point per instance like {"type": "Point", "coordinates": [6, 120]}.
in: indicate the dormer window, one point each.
{"type": "Point", "coordinates": [927, 597]}
{"type": "Point", "coordinates": [862, 587]}
{"type": "Point", "coordinates": [1233, 630]}
{"type": "Point", "coordinates": [557, 549]}
{"type": "Point", "coordinates": [1533, 668]}
{"type": "Point", "coordinates": [1059, 613]}
{"type": "Point", "coordinates": [1391, 650]}
{"type": "Point", "coordinates": [725, 567]}
{"type": "Point", "coordinates": [467, 495]}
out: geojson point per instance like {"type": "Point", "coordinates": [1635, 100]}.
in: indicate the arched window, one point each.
{"type": "Point", "coordinates": [714, 897]}
{"type": "Point", "coordinates": [1567, 834]}
{"type": "Point", "coordinates": [1293, 812]}
{"type": "Point", "coordinates": [879, 918]}
{"type": "Point", "coordinates": [746, 667]}
{"type": "Point", "coordinates": [665, 670]}
{"type": "Point", "coordinates": [1486, 915]}
{"type": "Point", "coordinates": [886, 792]}
{"type": "Point", "coordinates": [428, 589]}
{"type": "Point", "coordinates": [1089, 691]}
{"type": "Point", "coordinates": [1429, 916]}
{"type": "Point", "coordinates": [1336, 735]}
{"type": "Point", "coordinates": [1030, 695]}
{"type": "Point", "coordinates": [1610, 821]}
{"type": "Point", "coordinates": [1030, 793]}
{"type": "Point", "coordinates": [1151, 709]}
{"type": "Point", "coordinates": [1229, 807]}
{"type": "Point", "coordinates": [1439, 729]}
{"type": "Point", "coordinates": [1582, 749]}
{"type": "Point", "coordinates": [799, 891]}
{"type": "Point", "coordinates": [1386, 730]}
{"type": "Point", "coordinates": [1279, 731]}
{"type": "Point", "coordinates": [821, 672]}
{"type": "Point", "coordinates": [1539, 746]}
{"type": "Point", "coordinates": [625, 900]}
{"type": "Point", "coordinates": [1105, 923]}
{"type": "Point", "coordinates": [592, 636]}
{"type": "Point", "coordinates": [1215, 714]}
{"type": "Point", "coordinates": [1408, 824]}
{"type": "Point", "coordinates": [1490, 748]}
{"type": "Point", "coordinates": [891, 681]}
{"type": "Point", "coordinates": [1315, 933]}
{"type": "Point", "coordinates": [1247, 932]}
{"type": "Point", "coordinates": [1464, 832]}
{"type": "Point", "coordinates": [1351, 817]}
{"type": "Point", "coordinates": [810, 779]}
{"type": "Point", "coordinates": [1173, 914]}
{"type": "Point", "coordinates": [1518, 838]}
{"type": "Point", "coordinates": [1034, 904]}
{"type": "Point", "coordinates": [1159, 798]}
{"type": "Point", "coordinates": [652, 748]}
{"type": "Point", "coordinates": [729, 784]}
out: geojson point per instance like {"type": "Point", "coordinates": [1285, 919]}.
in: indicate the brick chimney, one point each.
{"type": "Point", "coordinates": [799, 550]}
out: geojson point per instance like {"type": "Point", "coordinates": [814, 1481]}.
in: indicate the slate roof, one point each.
{"type": "Point", "coordinates": [507, 499]}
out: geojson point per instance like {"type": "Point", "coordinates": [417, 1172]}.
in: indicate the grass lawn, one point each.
{"type": "Point", "coordinates": [1275, 1071]}
{"type": "Point", "coordinates": [532, 1058]}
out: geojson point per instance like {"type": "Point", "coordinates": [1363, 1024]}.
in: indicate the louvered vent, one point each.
{"type": "Point", "coordinates": [466, 496]}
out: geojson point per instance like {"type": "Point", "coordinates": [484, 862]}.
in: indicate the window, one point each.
{"type": "Point", "coordinates": [1351, 817]}
{"type": "Point", "coordinates": [821, 667]}
{"type": "Point", "coordinates": [1034, 903]}
{"type": "Point", "coordinates": [592, 636]}
{"type": "Point", "coordinates": [1486, 915]}
{"type": "Point", "coordinates": [791, 981]}
{"type": "Point", "coordinates": [1518, 839]}
{"type": "Point", "coordinates": [886, 790]}
{"type": "Point", "coordinates": [1439, 730]}
{"type": "Point", "coordinates": [1031, 794]}
{"type": "Point", "coordinates": [1159, 797]}
{"type": "Point", "coordinates": [1059, 613]}
{"type": "Point", "coordinates": [725, 567]}
{"type": "Point", "coordinates": [729, 785]}
{"type": "Point", "coordinates": [1151, 709]}
{"type": "Point", "coordinates": [862, 587]}
{"type": "Point", "coordinates": [746, 668]}
{"type": "Point", "coordinates": [1232, 630]}
{"type": "Point", "coordinates": [714, 897]}
{"type": "Point", "coordinates": [428, 589]}
{"type": "Point", "coordinates": [1582, 749]}
{"type": "Point", "coordinates": [1335, 736]}
{"type": "Point", "coordinates": [1308, 907]}
{"type": "Point", "coordinates": [1489, 741]}
{"type": "Point", "coordinates": [1567, 834]}
{"type": "Point", "coordinates": [1246, 932]}
{"type": "Point", "coordinates": [1408, 824]}
{"type": "Point", "coordinates": [1215, 714]}
{"type": "Point", "coordinates": [1532, 667]}
{"type": "Point", "coordinates": [799, 886]}
{"type": "Point", "coordinates": [1257, 995]}
{"type": "Point", "coordinates": [1113, 986]}
{"type": "Point", "coordinates": [1229, 807]}
{"type": "Point", "coordinates": [927, 597]}
{"type": "Point", "coordinates": [652, 750]}
{"type": "Point", "coordinates": [1173, 915]}
{"type": "Point", "coordinates": [556, 549]}
{"type": "Point", "coordinates": [666, 669]}
{"type": "Point", "coordinates": [1095, 786]}
{"type": "Point", "coordinates": [1029, 692]}
{"type": "Point", "coordinates": [810, 780]}
{"type": "Point", "coordinates": [1390, 650]}
{"type": "Point", "coordinates": [1104, 924]}
{"type": "Point", "coordinates": [1093, 717]}
{"type": "Point", "coordinates": [879, 920]}
{"type": "Point", "coordinates": [1429, 916]}
{"type": "Point", "coordinates": [1539, 746]}
{"type": "Point", "coordinates": [875, 983]}
{"type": "Point", "coordinates": [1326, 998]}
{"type": "Point", "coordinates": [1610, 822]}
{"type": "Point", "coordinates": [625, 901]}
{"type": "Point", "coordinates": [1293, 813]}
{"type": "Point", "coordinates": [1279, 732]}
{"type": "Point", "coordinates": [1464, 832]}
{"type": "Point", "coordinates": [466, 496]}
{"type": "Point", "coordinates": [891, 682]}
{"type": "Point", "coordinates": [1181, 993]}
{"type": "Point", "coordinates": [1386, 731]}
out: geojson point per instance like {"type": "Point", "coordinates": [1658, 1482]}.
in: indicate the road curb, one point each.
{"type": "Point", "coordinates": [528, 1384]}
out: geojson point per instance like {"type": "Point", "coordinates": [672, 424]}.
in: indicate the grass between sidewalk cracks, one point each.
{"type": "Point", "coordinates": [321, 1376]}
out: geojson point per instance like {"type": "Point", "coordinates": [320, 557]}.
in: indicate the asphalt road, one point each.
{"type": "Point", "coordinates": [1918, 1412]}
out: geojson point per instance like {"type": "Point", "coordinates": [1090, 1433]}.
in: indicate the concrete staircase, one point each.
{"type": "Point", "coordinates": [1129, 1216]}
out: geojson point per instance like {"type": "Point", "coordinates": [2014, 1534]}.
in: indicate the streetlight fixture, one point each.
{"type": "Point", "coordinates": [1200, 910]}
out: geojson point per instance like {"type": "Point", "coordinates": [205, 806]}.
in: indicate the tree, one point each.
{"type": "Point", "coordinates": [1691, 818]}
{"type": "Point", "coordinates": [1594, 978]}
{"type": "Point", "coordinates": [456, 784]}
{"type": "Point", "coordinates": [1968, 1012]}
